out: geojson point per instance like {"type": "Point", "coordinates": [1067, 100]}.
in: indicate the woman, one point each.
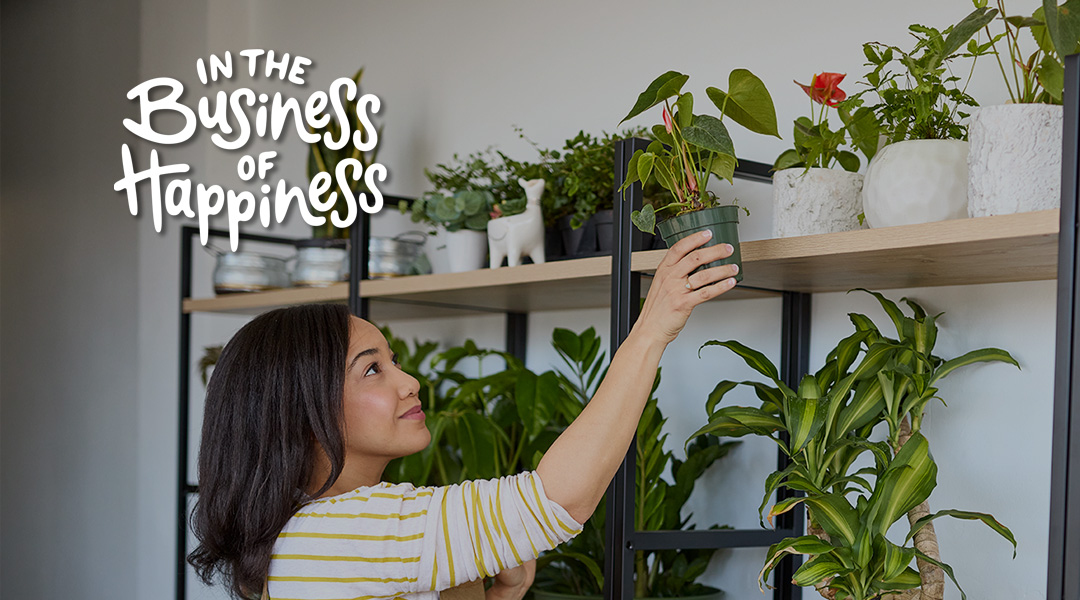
{"type": "Point", "coordinates": [305, 409]}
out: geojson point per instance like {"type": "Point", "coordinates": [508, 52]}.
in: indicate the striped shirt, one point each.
{"type": "Point", "coordinates": [399, 541]}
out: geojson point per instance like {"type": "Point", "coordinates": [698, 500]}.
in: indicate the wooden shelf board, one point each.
{"type": "Point", "coordinates": [1021, 247]}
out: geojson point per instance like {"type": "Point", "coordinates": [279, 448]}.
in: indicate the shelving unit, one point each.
{"type": "Point", "coordinates": [1022, 247]}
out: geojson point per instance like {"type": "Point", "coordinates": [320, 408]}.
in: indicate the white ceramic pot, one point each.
{"type": "Point", "coordinates": [466, 250]}
{"type": "Point", "coordinates": [1015, 160]}
{"type": "Point", "coordinates": [808, 202]}
{"type": "Point", "coordinates": [917, 181]}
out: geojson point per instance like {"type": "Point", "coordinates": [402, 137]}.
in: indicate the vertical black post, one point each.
{"type": "Point", "coordinates": [182, 453]}
{"type": "Point", "coordinates": [517, 333]}
{"type": "Point", "coordinates": [794, 363]}
{"type": "Point", "coordinates": [359, 235]}
{"type": "Point", "coordinates": [1063, 564]}
{"type": "Point", "coordinates": [625, 306]}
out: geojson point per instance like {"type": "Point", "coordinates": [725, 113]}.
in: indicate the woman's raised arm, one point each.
{"type": "Point", "coordinates": [580, 464]}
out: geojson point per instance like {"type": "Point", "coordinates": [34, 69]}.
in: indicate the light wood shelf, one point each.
{"type": "Point", "coordinates": [1021, 247]}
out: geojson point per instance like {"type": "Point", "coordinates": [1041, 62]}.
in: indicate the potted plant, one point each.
{"type": "Point", "coordinates": [461, 205]}
{"type": "Point", "coordinates": [1015, 160]}
{"type": "Point", "coordinates": [921, 174]}
{"type": "Point", "coordinates": [809, 196]}
{"type": "Point", "coordinates": [828, 422]}
{"type": "Point", "coordinates": [574, 570]}
{"type": "Point", "coordinates": [323, 259]}
{"type": "Point", "coordinates": [690, 148]}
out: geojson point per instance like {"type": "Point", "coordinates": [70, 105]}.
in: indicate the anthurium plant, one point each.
{"type": "Point", "coordinates": [577, 566]}
{"type": "Point", "coordinates": [923, 99]}
{"type": "Point", "coordinates": [687, 149]}
{"type": "Point", "coordinates": [816, 145]}
{"type": "Point", "coordinates": [323, 159]}
{"type": "Point", "coordinates": [1038, 77]}
{"type": "Point", "coordinates": [825, 425]}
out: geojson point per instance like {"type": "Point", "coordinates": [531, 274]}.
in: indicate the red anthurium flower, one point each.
{"type": "Point", "coordinates": [823, 88]}
{"type": "Point", "coordinates": [667, 121]}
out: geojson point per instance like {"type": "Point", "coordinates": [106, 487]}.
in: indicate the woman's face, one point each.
{"type": "Point", "coordinates": [381, 400]}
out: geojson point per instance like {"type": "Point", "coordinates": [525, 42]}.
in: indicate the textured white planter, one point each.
{"type": "Point", "coordinates": [466, 250]}
{"type": "Point", "coordinates": [1015, 160]}
{"type": "Point", "coordinates": [815, 201]}
{"type": "Point", "coordinates": [917, 181]}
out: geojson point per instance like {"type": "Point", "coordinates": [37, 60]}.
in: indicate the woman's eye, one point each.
{"type": "Point", "coordinates": [373, 366]}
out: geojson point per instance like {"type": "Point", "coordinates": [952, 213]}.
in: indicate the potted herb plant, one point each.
{"type": "Point", "coordinates": [574, 570]}
{"type": "Point", "coordinates": [688, 149]}
{"type": "Point", "coordinates": [809, 196]}
{"type": "Point", "coordinates": [323, 259]}
{"type": "Point", "coordinates": [921, 174]}
{"type": "Point", "coordinates": [828, 422]}
{"type": "Point", "coordinates": [461, 205]}
{"type": "Point", "coordinates": [1015, 159]}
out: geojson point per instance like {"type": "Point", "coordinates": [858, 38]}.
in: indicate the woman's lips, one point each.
{"type": "Point", "coordinates": [414, 413]}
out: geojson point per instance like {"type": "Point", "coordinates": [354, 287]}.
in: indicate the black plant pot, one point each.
{"type": "Point", "coordinates": [578, 242]}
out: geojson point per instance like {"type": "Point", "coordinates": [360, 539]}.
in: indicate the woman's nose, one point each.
{"type": "Point", "coordinates": [410, 386]}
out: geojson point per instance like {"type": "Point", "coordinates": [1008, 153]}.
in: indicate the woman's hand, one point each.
{"type": "Point", "coordinates": [669, 301]}
{"type": "Point", "coordinates": [511, 584]}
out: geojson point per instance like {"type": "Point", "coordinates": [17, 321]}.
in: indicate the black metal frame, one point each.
{"type": "Point", "coordinates": [622, 538]}
{"type": "Point", "coordinates": [1063, 582]}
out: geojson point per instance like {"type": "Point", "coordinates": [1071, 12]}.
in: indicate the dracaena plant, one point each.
{"type": "Point", "coordinates": [688, 149]}
{"type": "Point", "coordinates": [816, 145]}
{"type": "Point", "coordinates": [576, 567]}
{"type": "Point", "coordinates": [867, 379]}
{"type": "Point", "coordinates": [924, 99]}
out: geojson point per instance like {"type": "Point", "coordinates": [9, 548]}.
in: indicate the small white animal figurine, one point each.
{"type": "Point", "coordinates": [519, 235]}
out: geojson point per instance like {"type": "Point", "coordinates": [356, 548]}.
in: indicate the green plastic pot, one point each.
{"type": "Point", "coordinates": [546, 595]}
{"type": "Point", "coordinates": [723, 221]}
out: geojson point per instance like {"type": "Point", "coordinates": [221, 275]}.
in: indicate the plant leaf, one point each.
{"type": "Point", "coordinates": [747, 102]}
{"type": "Point", "coordinates": [966, 28]}
{"type": "Point", "coordinates": [975, 356]}
{"type": "Point", "coordinates": [662, 88]}
{"type": "Point", "coordinates": [709, 133]}
{"type": "Point", "coordinates": [817, 569]}
{"type": "Point", "coordinates": [988, 519]}
{"type": "Point", "coordinates": [906, 483]}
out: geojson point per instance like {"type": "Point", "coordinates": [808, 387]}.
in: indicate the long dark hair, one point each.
{"type": "Point", "coordinates": [273, 405]}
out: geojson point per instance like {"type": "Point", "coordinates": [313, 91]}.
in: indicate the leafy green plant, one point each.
{"type": "Point", "coordinates": [828, 422]}
{"type": "Point", "coordinates": [323, 159]}
{"type": "Point", "coordinates": [1040, 77]}
{"type": "Point", "coordinates": [816, 145]}
{"type": "Point", "coordinates": [465, 209]}
{"type": "Point", "coordinates": [688, 148]}
{"type": "Point", "coordinates": [924, 99]}
{"type": "Point", "coordinates": [576, 567]}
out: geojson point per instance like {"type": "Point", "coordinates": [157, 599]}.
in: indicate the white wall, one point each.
{"type": "Point", "coordinates": [70, 299]}
{"type": "Point", "coordinates": [453, 77]}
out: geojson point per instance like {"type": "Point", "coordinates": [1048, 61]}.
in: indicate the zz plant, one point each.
{"type": "Point", "coordinates": [825, 425]}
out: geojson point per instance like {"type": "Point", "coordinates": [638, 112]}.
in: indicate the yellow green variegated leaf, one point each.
{"type": "Point", "coordinates": [863, 549]}
{"type": "Point", "coordinates": [905, 484]}
{"type": "Point", "coordinates": [804, 417]}
{"type": "Point", "coordinates": [806, 544]}
{"type": "Point", "coordinates": [975, 356]}
{"type": "Point", "coordinates": [834, 514]}
{"type": "Point", "coordinates": [754, 359]}
{"type": "Point", "coordinates": [905, 326]}
{"type": "Point", "coordinates": [988, 519]}
{"type": "Point", "coordinates": [783, 506]}
{"type": "Point", "coordinates": [896, 561]}
{"type": "Point", "coordinates": [737, 421]}
{"type": "Point", "coordinates": [817, 569]}
{"type": "Point", "coordinates": [771, 483]}
{"type": "Point", "coordinates": [907, 579]}
{"type": "Point", "coordinates": [864, 407]}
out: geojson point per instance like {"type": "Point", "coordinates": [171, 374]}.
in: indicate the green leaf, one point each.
{"type": "Point", "coordinates": [1063, 24]}
{"type": "Point", "coordinates": [806, 544]}
{"type": "Point", "coordinates": [784, 506]}
{"type": "Point", "coordinates": [747, 102]}
{"type": "Point", "coordinates": [645, 165]}
{"type": "Point", "coordinates": [685, 107]}
{"type": "Point", "coordinates": [477, 442]}
{"type": "Point", "coordinates": [944, 567]}
{"type": "Point", "coordinates": [975, 356]}
{"type": "Point", "coordinates": [772, 482]}
{"type": "Point", "coordinates": [723, 166]}
{"type": "Point", "coordinates": [848, 160]}
{"type": "Point", "coordinates": [787, 160]}
{"type": "Point", "coordinates": [905, 326]}
{"type": "Point", "coordinates": [709, 133]}
{"type": "Point", "coordinates": [718, 394]}
{"type": "Point", "coordinates": [905, 484]}
{"type": "Point", "coordinates": [988, 519]}
{"type": "Point", "coordinates": [754, 359]}
{"type": "Point", "coordinates": [567, 342]}
{"type": "Point", "coordinates": [817, 569]}
{"type": "Point", "coordinates": [1051, 76]}
{"type": "Point", "coordinates": [805, 417]}
{"type": "Point", "coordinates": [662, 88]}
{"type": "Point", "coordinates": [644, 219]}
{"type": "Point", "coordinates": [966, 28]}
{"type": "Point", "coordinates": [736, 421]}
{"type": "Point", "coordinates": [834, 514]}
